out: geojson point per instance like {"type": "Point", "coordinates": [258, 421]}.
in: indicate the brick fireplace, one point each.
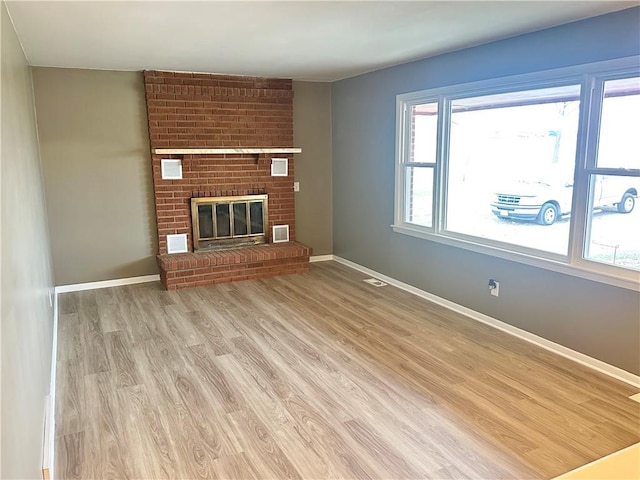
{"type": "Point", "coordinates": [202, 111]}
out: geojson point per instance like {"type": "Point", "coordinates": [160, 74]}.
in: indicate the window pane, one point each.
{"type": "Point", "coordinates": [615, 221]}
{"type": "Point", "coordinates": [511, 164]}
{"type": "Point", "coordinates": [419, 202]}
{"type": "Point", "coordinates": [424, 130]}
{"type": "Point", "coordinates": [619, 142]}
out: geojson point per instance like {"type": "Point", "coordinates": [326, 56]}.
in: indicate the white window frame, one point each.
{"type": "Point", "coordinates": [591, 78]}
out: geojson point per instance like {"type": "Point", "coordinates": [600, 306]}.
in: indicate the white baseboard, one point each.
{"type": "Point", "coordinates": [320, 258]}
{"type": "Point", "coordinates": [46, 443]}
{"type": "Point", "coordinates": [595, 364]}
{"type": "Point", "coordinates": [78, 287]}
{"type": "Point", "coordinates": [48, 463]}
{"type": "Point", "coordinates": [107, 283]}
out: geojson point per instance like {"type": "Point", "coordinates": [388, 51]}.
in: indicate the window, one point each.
{"type": "Point", "coordinates": [512, 156]}
{"type": "Point", "coordinates": [613, 238]}
{"type": "Point", "coordinates": [541, 168]}
{"type": "Point", "coordinates": [418, 171]}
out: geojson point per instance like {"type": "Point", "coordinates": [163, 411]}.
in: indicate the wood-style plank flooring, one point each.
{"type": "Point", "coordinates": [317, 375]}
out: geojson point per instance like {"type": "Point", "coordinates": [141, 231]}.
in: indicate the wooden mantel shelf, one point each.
{"type": "Point", "coordinates": [224, 151]}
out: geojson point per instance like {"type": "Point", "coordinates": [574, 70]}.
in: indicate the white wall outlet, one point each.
{"type": "Point", "coordinates": [296, 186]}
{"type": "Point", "coordinates": [494, 287]}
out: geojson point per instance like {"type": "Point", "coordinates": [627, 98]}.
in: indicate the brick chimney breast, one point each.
{"type": "Point", "coordinates": [193, 110]}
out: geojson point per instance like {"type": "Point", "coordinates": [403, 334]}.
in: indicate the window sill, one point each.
{"type": "Point", "coordinates": [631, 282]}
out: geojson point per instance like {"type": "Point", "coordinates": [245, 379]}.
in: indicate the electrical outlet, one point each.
{"type": "Point", "coordinates": [494, 287]}
{"type": "Point", "coordinates": [296, 186]}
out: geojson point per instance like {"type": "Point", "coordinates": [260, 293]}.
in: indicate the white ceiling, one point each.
{"type": "Point", "coordinates": [304, 40]}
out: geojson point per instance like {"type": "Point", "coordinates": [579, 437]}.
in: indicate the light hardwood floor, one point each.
{"type": "Point", "coordinates": [317, 375]}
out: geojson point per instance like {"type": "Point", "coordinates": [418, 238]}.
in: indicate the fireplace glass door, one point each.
{"type": "Point", "coordinates": [224, 222]}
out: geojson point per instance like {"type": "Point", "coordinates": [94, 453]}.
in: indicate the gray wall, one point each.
{"type": "Point", "coordinates": [96, 160]}
{"type": "Point", "coordinates": [596, 319]}
{"type": "Point", "coordinates": [312, 132]}
{"type": "Point", "coordinates": [27, 318]}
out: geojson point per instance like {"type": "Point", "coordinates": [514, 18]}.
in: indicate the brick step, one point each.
{"type": "Point", "coordinates": [182, 270]}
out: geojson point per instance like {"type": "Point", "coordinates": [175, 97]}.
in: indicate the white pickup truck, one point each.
{"type": "Point", "coordinates": [546, 202]}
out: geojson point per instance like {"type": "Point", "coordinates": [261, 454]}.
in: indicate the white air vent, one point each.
{"type": "Point", "coordinates": [375, 282]}
{"type": "Point", "coordinates": [177, 243]}
{"type": "Point", "coordinates": [280, 233]}
{"type": "Point", "coordinates": [171, 169]}
{"type": "Point", "coordinates": [279, 167]}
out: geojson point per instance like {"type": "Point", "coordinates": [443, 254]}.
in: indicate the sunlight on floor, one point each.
{"type": "Point", "coordinates": [621, 465]}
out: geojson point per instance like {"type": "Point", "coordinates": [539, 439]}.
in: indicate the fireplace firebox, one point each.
{"type": "Point", "coordinates": [227, 222]}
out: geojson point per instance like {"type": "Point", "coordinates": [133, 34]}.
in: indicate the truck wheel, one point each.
{"type": "Point", "coordinates": [548, 214]}
{"type": "Point", "coordinates": [627, 203]}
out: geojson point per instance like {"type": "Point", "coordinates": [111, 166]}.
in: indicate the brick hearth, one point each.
{"type": "Point", "coordinates": [183, 270]}
{"type": "Point", "coordinates": [188, 110]}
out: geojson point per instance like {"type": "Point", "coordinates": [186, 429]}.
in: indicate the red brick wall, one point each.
{"type": "Point", "coordinates": [190, 110]}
